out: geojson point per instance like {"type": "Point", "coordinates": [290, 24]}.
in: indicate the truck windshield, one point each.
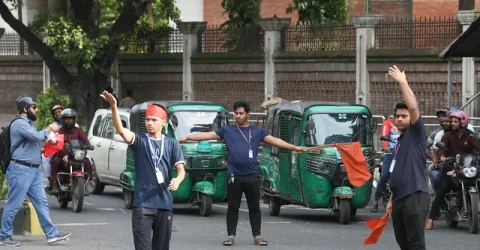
{"type": "Point", "coordinates": [193, 122]}
{"type": "Point", "coordinates": [324, 129]}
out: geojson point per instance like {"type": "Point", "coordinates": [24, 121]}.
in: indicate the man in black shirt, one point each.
{"type": "Point", "coordinates": [409, 202]}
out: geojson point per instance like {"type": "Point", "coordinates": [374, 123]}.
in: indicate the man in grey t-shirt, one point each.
{"type": "Point", "coordinates": [128, 101]}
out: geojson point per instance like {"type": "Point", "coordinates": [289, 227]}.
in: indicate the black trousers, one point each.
{"type": "Point", "coordinates": [146, 220]}
{"type": "Point", "coordinates": [409, 215]}
{"type": "Point", "coordinates": [446, 184]}
{"type": "Point", "coordinates": [250, 185]}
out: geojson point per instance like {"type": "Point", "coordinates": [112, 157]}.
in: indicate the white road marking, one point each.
{"type": "Point", "coordinates": [269, 222]}
{"type": "Point", "coordinates": [106, 209]}
{"type": "Point", "coordinates": [90, 204]}
{"type": "Point", "coordinates": [241, 209]}
{"type": "Point", "coordinates": [82, 224]}
{"type": "Point", "coordinates": [121, 210]}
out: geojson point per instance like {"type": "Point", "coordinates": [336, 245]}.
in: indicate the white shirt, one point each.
{"type": "Point", "coordinates": [438, 138]}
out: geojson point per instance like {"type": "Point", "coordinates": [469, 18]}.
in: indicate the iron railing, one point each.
{"type": "Point", "coordinates": [398, 33]}
{"type": "Point", "coordinates": [11, 44]}
{"type": "Point", "coordinates": [317, 37]}
{"type": "Point", "coordinates": [225, 39]}
{"type": "Point", "coordinates": [160, 40]}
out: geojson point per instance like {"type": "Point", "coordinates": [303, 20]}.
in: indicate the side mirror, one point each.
{"type": "Point", "coordinates": [373, 126]}
{"type": "Point", "coordinates": [118, 137]}
{"type": "Point", "coordinates": [385, 138]}
{"type": "Point", "coordinates": [224, 114]}
{"type": "Point", "coordinates": [440, 145]}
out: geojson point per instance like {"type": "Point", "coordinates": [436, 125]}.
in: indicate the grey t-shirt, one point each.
{"type": "Point", "coordinates": [127, 103]}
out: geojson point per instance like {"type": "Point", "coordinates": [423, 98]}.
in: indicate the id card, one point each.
{"type": "Point", "coordinates": [159, 175]}
{"type": "Point", "coordinates": [392, 166]}
{"type": "Point", "coordinates": [250, 154]}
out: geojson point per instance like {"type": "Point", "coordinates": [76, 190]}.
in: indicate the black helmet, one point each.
{"type": "Point", "coordinates": [442, 112]}
{"type": "Point", "coordinates": [68, 113]}
{"type": "Point", "coordinates": [24, 102]}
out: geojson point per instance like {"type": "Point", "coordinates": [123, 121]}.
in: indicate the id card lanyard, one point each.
{"type": "Point", "coordinates": [250, 151]}
{"type": "Point", "coordinates": [155, 158]}
{"type": "Point", "coordinates": [392, 165]}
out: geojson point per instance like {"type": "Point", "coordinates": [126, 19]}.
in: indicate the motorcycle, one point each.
{"type": "Point", "coordinates": [72, 178]}
{"type": "Point", "coordinates": [463, 200]}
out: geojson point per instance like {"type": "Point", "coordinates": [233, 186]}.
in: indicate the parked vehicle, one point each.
{"type": "Point", "coordinates": [315, 180]}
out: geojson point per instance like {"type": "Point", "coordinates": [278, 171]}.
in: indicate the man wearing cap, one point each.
{"type": "Point", "coordinates": [155, 157]}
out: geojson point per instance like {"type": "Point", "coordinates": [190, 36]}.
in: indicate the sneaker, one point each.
{"type": "Point", "coordinates": [59, 237]}
{"type": "Point", "coordinates": [374, 208]}
{"type": "Point", "coordinates": [9, 242]}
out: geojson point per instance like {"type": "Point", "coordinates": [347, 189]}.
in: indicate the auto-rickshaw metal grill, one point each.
{"type": "Point", "coordinates": [324, 166]}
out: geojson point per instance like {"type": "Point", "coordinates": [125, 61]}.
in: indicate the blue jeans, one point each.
{"type": "Point", "coordinates": [386, 162]}
{"type": "Point", "coordinates": [435, 176]}
{"type": "Point", "coordinates": [23, 181]}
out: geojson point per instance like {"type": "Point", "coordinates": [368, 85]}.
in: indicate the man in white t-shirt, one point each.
{"type": "Point", "coordinates": [435, 170]}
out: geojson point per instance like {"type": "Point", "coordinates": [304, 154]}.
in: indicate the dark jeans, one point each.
{"type": "Point", "coordinates": [446, 184]}
{"type": "Point", "coordinates": [144, 220]}
{"type": "Point", "coordinates": [384, 176]}
{"type": "Point", "coordinates": [409, 215]}
{"type": "Point", "coordinates": [250, 185]}
{"type": "Point", "coordinates": [435, 177]}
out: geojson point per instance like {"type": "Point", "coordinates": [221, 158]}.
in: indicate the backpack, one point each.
{"type": "Point", "coordinates": [5, 155]}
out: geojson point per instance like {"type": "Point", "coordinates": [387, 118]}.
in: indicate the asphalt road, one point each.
{"type": "Point", "coordinates": [105, 224]}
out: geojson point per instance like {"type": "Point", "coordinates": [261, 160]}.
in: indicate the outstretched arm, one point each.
{"type": "Point", "coordinates": [407, 93]}
{"type": "Point", "coordinates": [126, 134]}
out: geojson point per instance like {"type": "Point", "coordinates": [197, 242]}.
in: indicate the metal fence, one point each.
{"type": "Point", "coordinates": [398, 33]}
{"type": "Point", "coordinates": [161, 40]}
{"type": "Point", "coordinates": [318, 37]}
{"type": "Point", "coordinates": [224, 39]}
{"type": "Point", "coordinates": [11, 44]}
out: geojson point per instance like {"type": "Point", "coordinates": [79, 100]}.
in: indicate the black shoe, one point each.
{"type": "Point", "coordinates": [59, 237]}
{"type": "Point", "coordinates": [374, 208]}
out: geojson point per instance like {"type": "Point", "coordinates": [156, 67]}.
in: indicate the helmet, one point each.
{"type": "Point", "coordinates": [462, 116]}
{"type": "Point", "coordinates": [58, 106]}
{"type": "Point", "coordinates": [68, 113]}
{"type": "Point", "coordinates": [24, 102]}
{"type": "Point", "coordinates": [441, 112]}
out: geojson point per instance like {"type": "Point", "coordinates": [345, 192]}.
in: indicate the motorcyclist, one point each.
{"type": "Point", "coordinates": [70, 132]}
{"type": "Point", "coordinates": [389, 130]}
{"type": "Point", "coordinates": [457, 141]}
{"type": "Point", "coordinates": [56, 112]}
{"type": "Point", "coordinates": [435, 169]}
{"type": "Point", "coordinates": [47, 161]}
{"type": "Point", "coordinates": [441, 113]}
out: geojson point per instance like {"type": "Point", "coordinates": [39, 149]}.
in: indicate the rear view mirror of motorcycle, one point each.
{"type": "Point", "coordinates": [118, 137]}
{"type": "Point", "coordinates": [385, 138]}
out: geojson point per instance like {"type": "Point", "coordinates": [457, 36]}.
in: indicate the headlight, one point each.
{"type": "Point", "coordinates": [79, 155]}
{"type": "Point", "coordinates": [470, 172]}
{"type": "Point", "coordinates": [223, 163]}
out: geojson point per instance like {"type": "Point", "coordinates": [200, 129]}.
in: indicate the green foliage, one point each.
{"type": "Point", "coordinates": [3, 187]}
{"type": "Point", "coordinates": [73, 46]}
{"type": "Point", "coordinates": [320, 11]}
{"type": "Point", "coordinates": [45, 101]}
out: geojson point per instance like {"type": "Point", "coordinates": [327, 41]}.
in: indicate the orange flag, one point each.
{"type": "Point", "coordinates": [376, 225]}
{"type": "Point", "coordinates": [355, 163]}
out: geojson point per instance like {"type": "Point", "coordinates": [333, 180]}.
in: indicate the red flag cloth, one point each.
{"type": "Point", "coordinates": [355, 163]}
{"type": "Point", "coordinates": [376, 225]}
{"type": "Point", "coordinates": [51, 148]}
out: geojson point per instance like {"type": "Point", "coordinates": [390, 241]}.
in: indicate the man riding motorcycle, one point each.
{"type": "Point", "coordinates": [70, 132]}
{"type": "Point", "coordinates": [56, 112]}
{"type": "Point", "coordinates": [457, 141]}
{"type": "Point", "coordinates": [435, 169]}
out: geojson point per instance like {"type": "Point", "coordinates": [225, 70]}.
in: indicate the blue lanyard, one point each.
{"type": "Point", "coordinates": [156, 160]}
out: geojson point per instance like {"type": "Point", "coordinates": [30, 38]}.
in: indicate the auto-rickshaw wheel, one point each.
{"type": "Point", "coordinates": [274, 206]}
{"type": "Point", "coordinates": [205, 205]}
{"type": "Point", "coordinates": [345, 213]}
{"type": "Point", "coordinates": [127, 198]}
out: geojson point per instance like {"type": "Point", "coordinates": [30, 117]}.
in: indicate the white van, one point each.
{"type": "Point", "coordinates": [109, 156]}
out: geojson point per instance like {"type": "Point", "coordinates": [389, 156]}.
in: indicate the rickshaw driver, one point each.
{"type": "Point", "coordinates": [243, 141]}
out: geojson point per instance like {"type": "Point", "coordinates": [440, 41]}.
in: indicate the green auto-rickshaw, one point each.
{"type": "Point", "coordinates": [206, 162]}
{"type": "Point", "coordinates": [315, 180]}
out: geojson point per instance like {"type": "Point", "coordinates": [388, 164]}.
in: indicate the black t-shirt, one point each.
{"type": "Point", "coordinates": [408, 174]}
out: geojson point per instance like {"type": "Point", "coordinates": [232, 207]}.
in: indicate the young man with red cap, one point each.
{"type": "Point", "coordinates": [155, 156]}
{"type": "Point", "coordinates": [243, 141]}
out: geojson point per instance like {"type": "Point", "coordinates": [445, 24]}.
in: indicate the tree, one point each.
{"type": "Point", "coordinates": [320, 11]}
{"type": "Point", "coordinates": [88, 37]}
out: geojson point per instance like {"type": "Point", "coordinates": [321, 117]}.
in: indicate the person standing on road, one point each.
{"type": "Point", "coordinates": [23, 175]}
{"type": "Point", "coordinates": [243, 141]}
{"type": "Point", "coordinates": [409, 201]}
{"type": "Point", "coordinates": [155, 156]}
{"type": "Point", "coordinates": [389, 130]}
